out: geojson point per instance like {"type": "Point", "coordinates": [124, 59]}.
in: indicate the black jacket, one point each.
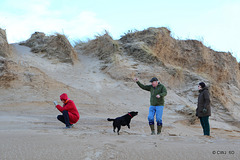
{"type": "Point", "coordinates": [203, 107]}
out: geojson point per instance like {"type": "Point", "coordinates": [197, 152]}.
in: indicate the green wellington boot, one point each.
{"type": "Point", "coordinates": [152, 129]}
{"type": "Point", "coordinates": [159, 129]}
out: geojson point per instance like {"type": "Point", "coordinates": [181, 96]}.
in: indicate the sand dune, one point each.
{"type": "Point", "coordinates": [29, 128]}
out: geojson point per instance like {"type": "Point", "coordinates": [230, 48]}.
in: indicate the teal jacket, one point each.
{"type": "Point", "coordinates": [160, 89]}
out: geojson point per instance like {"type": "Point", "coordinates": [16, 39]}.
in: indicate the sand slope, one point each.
{"type": "Point", "coordinates": [29, 128]}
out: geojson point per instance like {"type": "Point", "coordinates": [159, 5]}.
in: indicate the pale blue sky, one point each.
{"type": "Point", "coordinates": [215, 22]}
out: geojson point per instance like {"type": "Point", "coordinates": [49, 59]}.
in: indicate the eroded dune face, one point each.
{"type": "Point", "coordinates": [5, 49]}
{"type": "Point", "coordinates": [179, 64]}
{"type": "Point", "coordinates": [6, 76]}
{"type": "Point", "coordinates": [52, 47]}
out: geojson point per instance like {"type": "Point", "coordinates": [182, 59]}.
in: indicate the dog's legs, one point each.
{"type": "Point", "coordinates": [114, 127]}
{"type": "Point", "coordinates": [128, 126]}
{"type": "Point", "coordinates": [119, 127]}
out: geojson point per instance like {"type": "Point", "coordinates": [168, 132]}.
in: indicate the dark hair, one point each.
{"type": "Point", "coordinates": [202, 84]}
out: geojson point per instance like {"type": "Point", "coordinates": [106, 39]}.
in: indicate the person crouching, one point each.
{"type": "Point", "coordinates": [69, 111]}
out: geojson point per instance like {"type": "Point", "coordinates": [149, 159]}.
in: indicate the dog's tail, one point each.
{"type": "Point", "coordinates": [109, 119]}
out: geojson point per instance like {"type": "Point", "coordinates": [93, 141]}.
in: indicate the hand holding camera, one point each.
{"type": "Point", "coordinates": [55, 102]}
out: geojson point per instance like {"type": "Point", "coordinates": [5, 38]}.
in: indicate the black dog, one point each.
{"type": "Point", "coordinates": [122, 121]}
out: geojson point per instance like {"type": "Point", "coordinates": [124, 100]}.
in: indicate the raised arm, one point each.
{"type": "Point", "coordinates": [144, 87]}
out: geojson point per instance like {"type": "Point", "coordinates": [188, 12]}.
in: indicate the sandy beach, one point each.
{"type": "Point", "coordinates": [30, 130]}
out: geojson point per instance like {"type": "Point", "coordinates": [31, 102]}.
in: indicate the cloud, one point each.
{"type": "Point", "coordinates": [86, 24]}
{"type": "Point", "coordinates": [37, 16]}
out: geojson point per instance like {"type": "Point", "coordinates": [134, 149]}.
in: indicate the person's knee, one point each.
{"type": "Point", "coordinates": [65, 112]}
{"type": "Point", "coordinates": [59, 117]}
{"type": "Point", "coordinates": [150, 119]}
{"type": "Point", "coordinates": [159, 119]}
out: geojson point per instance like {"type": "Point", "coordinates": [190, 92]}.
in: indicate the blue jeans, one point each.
{"type": "Point", "coordinates": [159, 111]}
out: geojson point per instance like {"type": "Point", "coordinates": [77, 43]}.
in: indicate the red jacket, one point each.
{"type": "Point", "coordinates": [70, 107]}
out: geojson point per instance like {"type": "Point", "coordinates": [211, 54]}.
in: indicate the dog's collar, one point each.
{"type": "Point", "coordinates": [130, 115]}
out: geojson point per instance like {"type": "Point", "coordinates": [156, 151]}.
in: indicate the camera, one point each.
{"type": "Point", "coordinates": [55, 102]}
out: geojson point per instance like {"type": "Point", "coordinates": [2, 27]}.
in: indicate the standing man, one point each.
{"type": "Point", "coordinates": [158, 92]}
{"type": "Point", "coordinates": [203, 110]}
{"type": "Point", "coordinates": [69, 111]}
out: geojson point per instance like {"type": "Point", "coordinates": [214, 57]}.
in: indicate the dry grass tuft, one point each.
{"type": "Point", "coordinates": [139, 45]}
{"type": "Point", "coordinates": [103, 46]}
{"type": "Point", "coordinates": [52, 47]}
